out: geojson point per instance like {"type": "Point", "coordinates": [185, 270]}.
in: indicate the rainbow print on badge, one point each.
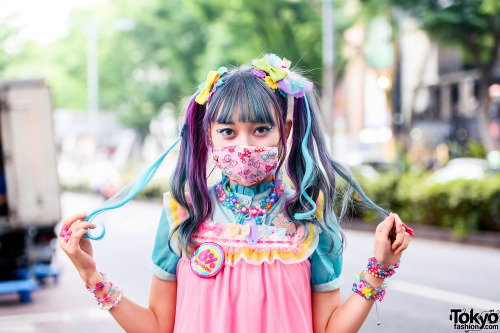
{"type": "Point", "coordinates": [207, 259]}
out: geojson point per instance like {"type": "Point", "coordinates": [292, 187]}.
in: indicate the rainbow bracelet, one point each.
{"type": "Point", "coordinates": [379, 270]}
{"type": "Point", "coordinates": [363, 288]}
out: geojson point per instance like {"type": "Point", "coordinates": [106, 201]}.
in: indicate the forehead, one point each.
{"type": "Point", "coordinates": [236, 119]}
{"type": "Point", "coordinates": [243, 98]}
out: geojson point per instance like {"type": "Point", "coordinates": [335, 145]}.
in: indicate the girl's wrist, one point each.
{"type": "Point", "coordinates": [91, 278]}
{"type": "Point", "coordinates": [374, 281]}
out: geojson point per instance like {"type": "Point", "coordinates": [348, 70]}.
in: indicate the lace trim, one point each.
{"type": "Point", "coordinates": [273, 243]}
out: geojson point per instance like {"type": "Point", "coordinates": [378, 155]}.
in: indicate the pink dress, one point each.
{"type": "Point", "coordinates": [245, 298]}
{"type": "Point", "coordinates": [262, 287]}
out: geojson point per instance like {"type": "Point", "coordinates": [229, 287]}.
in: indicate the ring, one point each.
{"type": "Point", "coordinates": [65, 233]}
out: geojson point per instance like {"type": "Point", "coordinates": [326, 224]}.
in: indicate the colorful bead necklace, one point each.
{"type": "Point", "coordinates": [229, 200]}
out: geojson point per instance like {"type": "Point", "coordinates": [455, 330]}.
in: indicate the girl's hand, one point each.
{"type": "Point", "coordinates": [385, 251]}
{"type": "Point", "coordinates": [77, 247]}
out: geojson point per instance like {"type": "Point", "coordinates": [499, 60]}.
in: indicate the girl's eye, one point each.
{"type": "Point", "coordinates": [260, 131]}
{"type": "Point", "coordinates": [225, 131]}
{"type": "Point", "coordinates": [263, 130]}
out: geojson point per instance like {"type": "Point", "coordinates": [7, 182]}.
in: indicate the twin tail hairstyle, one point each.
{"type": "Point", "coordinates": [309, 165]}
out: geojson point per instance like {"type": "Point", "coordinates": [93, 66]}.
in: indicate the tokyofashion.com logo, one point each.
{"type": "Point", "coordinates": [474, 321]}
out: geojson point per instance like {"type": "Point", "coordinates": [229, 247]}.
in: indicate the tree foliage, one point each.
{"type": "Point", "coordinates": [172, 47]}
{"type": "Point", "coordinates": [7, 31]}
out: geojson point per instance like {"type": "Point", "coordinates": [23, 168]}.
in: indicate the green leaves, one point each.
{"type": "Point", "coordinates": [463, 205]}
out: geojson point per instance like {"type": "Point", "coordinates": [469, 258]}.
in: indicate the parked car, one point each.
{"type": "Point", "coordinates": [461, 168]}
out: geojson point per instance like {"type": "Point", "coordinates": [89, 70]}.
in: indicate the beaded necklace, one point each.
{"type": "Point", "coordinates": [229, 200]}
{"type": "Point", "coordinates": [250, 213]}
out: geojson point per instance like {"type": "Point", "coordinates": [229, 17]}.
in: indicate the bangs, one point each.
{"type": "Point", "coordinates": [242, 92]}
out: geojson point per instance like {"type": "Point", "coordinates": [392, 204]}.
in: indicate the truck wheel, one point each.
{"type": "Point", "coordinates": [25, 296]}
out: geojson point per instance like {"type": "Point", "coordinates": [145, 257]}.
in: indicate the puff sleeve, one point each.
{"type": "Point", "coordinates": [165, 260]}
{"type": "Point", "coordinates": [326, 269]}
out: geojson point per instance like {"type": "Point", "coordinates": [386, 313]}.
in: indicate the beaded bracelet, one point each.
{"type": "Point", "coordinates": [98, 285]}
{"type": "Point", "coordinates": [115, 302]}
{"type": "Point", "coordinates": [107, 297]}
{"type": "Point", "coordinates": [379, 270]}
{"type": "Point", "coordinates": [363, 288]}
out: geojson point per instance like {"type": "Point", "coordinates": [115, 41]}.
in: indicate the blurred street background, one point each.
{"type": "Point", "coordinates": [410, 98]}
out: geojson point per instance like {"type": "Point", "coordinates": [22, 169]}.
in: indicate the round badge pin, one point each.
{"type": "Point", "coordinates": [207, 259]}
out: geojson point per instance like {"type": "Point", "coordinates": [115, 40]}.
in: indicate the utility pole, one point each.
{"type": "Point", "coordinates": [121, 24]}
{"type": "Point", "coordinates": [93, 78]}
{"type": "Point", "coordinates": [327, 94]}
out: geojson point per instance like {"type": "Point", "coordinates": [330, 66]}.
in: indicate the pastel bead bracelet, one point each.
{"type": "Point", "coordinates": [115, 302]}
{"type": "Point", "coordinates": [379, 270]}
{"type": "Point", "coordinates": [106, 297]}
{"type": "Point", "coordinates": [98, 285]}
{"type": "Point", "coordinates": [363, 288]}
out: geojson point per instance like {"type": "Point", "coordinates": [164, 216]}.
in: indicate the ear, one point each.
{"type": "Point", "coordinates": [288, 128]}
{"type": "Point", "coordinates": [209, 135]}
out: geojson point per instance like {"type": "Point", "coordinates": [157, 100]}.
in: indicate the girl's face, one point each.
{"type": "Point", "coordinates": [247, 133]}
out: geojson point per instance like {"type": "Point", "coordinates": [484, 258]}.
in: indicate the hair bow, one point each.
{"type": "Point", "coordinates": [205, 227]}
{"type": "Point", "coordinates": [205, 88]}
{"type": "Point", "coordinates": [286, 81]}
{"type": "Point", "coordinates": [275, 73]}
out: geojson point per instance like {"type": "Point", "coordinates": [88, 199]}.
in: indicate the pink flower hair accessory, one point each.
{"type": "Point", "coordinates": [65, 233]}
{"type": "Point", "coordinates": [408, 230]}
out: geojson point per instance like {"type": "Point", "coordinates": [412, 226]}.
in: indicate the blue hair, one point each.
{"type": "Point", "coordinates": [312, 170]}
{"type": "Point", "coordinates": [309, 165]}
{"type": "Point", "coordinates": [129, 191]}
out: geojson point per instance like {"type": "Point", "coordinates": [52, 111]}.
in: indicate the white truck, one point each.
{"type": "Point", "coordinates": [29, 187]}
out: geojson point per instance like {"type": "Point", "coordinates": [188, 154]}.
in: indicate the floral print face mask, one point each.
{"type": "Point", "coordinates": [246, 165]}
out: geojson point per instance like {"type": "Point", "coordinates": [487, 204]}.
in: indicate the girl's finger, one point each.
{"type": "Point", "coordinates": [76, 236]}
{"type": "Point", "coordinates": [399, 224]}
{"type": "Point", "coordinates": [404, 246]}
{"type": "Point", "coordinates": [385, 226]}
{"type": "Point", "coordinates": [72, 219]}
{"type": "Point", "coordinates": [399, 236]}
{"type": "Point", "coordinates": [82, 225]}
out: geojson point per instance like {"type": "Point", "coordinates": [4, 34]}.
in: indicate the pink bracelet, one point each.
{"type": "Point", "coordinates": [107, 297]}
{"type": "Point", "coordinates": [379, 270]}
{"type": "Point", "coordinates": [115, 302]}
{"type": "Point", "coordinates": [98, 285]}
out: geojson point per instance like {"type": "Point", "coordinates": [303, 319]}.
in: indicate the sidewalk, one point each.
{"type": "Point", "coordinates": [479, 238]}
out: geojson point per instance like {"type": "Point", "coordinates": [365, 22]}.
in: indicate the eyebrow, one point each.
{"type": "Point", "coordinates": [230, 122]}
